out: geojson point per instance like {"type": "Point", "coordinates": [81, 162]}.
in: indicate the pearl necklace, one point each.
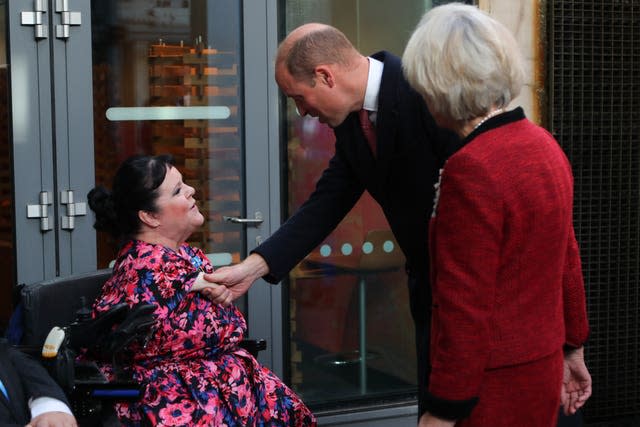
{"type": "Point", "coordinates": [487, 117]}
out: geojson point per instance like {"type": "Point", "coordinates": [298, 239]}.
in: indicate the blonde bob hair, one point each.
{"type": "Point", "coordinates": [463, 62]}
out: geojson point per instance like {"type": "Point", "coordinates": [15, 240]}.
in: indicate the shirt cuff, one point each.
{"type": "Point", "coordinates": [200, 283]}
{"type": "Point", "coordinates": [45, 404]}
{"type": "Point", "coordinates": [449, 409]}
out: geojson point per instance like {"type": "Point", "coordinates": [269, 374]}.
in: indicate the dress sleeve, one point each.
{"type": "Point", "coordinates": [575, 309]}
{"type": "Point", "coordinates": [466, 235]}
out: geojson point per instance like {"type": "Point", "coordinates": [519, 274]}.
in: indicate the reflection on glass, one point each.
{"type": "Point", "coordinates": [167, 79]}
{"type": "Point", "coordinates": [352, 337]}
{"type": "Point", "coordinates": [7, 256]}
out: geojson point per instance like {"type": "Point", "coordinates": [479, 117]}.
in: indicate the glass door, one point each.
{"type": "Point", "coordinates": [172, 76]}
{"type": "Point", "coordinates": [90, 83]}
{"type": "Point", "coordinates": [167, 78]}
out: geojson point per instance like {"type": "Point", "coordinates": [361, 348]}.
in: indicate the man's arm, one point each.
{"type": "Point", "coordinates": [237, 279]}
{"type": "Point", "coordinates": [335, 194]}
{"type": "Point", "coordinates": [47, 402]}
{"type": "Point", "coordinates": [50, 412]}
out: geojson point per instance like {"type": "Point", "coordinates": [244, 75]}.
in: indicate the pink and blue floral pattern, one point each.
{"type": "Point", "coordinates": [195, 372]}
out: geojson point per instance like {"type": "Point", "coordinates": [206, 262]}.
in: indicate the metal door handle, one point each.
{"type": "Point", "coordinates": [256, 221]}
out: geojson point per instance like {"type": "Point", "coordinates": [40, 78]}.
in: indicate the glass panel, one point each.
{"type": "Point", "coordinates": [327, 305]}
{"type": "Point", "coordinates": [7, 256]}
{"type": "Point", "coordinates": [162, 70]}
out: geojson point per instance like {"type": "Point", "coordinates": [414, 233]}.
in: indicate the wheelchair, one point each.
{"type": "Point", "coordinates": [57, 324]}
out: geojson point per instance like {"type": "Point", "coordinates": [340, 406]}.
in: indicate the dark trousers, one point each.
{"type": "Point", "coordinates": [420, 304]}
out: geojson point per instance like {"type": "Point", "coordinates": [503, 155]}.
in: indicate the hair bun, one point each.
{"type": "Point", "coordinates": [101, 203]}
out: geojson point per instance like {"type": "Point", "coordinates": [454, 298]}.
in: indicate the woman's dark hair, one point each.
{"type": "Point", "coordinates": [135, 188]}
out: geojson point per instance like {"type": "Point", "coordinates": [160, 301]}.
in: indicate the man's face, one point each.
{"type": "Point", "coordinates": [315, 97]}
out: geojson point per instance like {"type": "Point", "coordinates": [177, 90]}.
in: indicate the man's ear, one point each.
{"type": "Point", "coordinates": [324, 75]}
{"type": "Point", "coordinates": [148, 218]}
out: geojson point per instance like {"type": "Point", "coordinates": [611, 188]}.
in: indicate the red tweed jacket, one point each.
{"type": "Point", "coordinates": [506, 272]}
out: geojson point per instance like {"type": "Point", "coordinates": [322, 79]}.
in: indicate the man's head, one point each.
{"type": "Point", "coordinates": [318, 67]}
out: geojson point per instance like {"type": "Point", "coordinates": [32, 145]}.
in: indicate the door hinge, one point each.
{"type": "Point", "coordinates": [67, 18]}
{"type": "Point", "coordinates": [36, 18]}
{"type": "Point", "coordinates": [41, 211]}
{"type": "Point", "coordinates": [73, 210]}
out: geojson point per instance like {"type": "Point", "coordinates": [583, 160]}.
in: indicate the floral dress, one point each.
{"type": "Point", "coordinates": [194, 372]}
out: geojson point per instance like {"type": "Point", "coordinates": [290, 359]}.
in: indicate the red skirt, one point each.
{"type": "Point", "coordinates": [526, 395]}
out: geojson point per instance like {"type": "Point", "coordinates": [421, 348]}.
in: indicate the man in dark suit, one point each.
{"type": "Point", "coordinates": [329, 79]}
{"type": "Point", "coordinates": [28, 395]}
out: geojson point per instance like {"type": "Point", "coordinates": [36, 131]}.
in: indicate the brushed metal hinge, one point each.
{"type": "Point", "coordinates": [73, 210]}
{"type": "Point", "coordinates": [41, 211]}
{"type": "Point", "coordinates": [67, 19]}
{"type": "Point", "coordinates": [36, 18]}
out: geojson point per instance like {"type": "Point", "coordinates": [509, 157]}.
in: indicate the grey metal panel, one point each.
{"type": "Point", "coordinates": [262, 167]}
{"type": "Point", "coordinates": [397, 416]}
{"type": "Point", "coordinates": [31, 131]}
{"type": "Point", "coordinates": [73, 113]}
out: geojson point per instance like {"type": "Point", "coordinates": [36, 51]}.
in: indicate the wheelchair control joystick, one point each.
{"type": "Point", "coordinates": [83, 314]}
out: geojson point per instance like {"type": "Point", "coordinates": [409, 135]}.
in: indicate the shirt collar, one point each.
{"type": "Point", "coordinates": [373, 85]}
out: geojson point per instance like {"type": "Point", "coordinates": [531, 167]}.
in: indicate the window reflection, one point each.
{"type": "Point", "coordinates": [352, 337]}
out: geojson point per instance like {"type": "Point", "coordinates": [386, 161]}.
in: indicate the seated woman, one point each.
{"type": "Point", "coordinates": [193, 369]}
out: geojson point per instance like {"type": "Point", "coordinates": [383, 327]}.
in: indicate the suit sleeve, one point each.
{"type": "Point", "coordinates": [35, 379]}
{"type": "Point", "coordinates": [336, 192]}
{"type": "Point", "coordinates": [575, 309]}
{"type": "Point", "coordinates": [465, 248]}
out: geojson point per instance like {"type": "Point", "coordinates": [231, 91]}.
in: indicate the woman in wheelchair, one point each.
{"type": "Point", "coordinates": [194, 371]}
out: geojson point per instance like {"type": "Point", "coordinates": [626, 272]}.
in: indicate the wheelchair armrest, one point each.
{"type": "Point", "coordinates": [136, 324]}
{"type": "Point", "coordinates": [32, 350]}
{"type": "Point", "coordinates": [88, 333]}
{"type": "Point", "coordinates": [253, 346]}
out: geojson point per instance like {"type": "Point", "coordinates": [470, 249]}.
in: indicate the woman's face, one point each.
{"type": "Point", "coordinates": [177, 212]}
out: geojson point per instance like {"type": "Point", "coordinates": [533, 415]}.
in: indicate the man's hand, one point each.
{"type": "Point", "coordinates": [428, 420]}
{"type": "Point", "coordinates": [237, 278]}
{"type": "Point", "coordinates": [53, 419]}
{"type": "Point", "coordinates": [576, 383]}
{"type": "Point", "coordinates": [218, 294]}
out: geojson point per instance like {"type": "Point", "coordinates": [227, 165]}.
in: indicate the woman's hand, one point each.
{"type": "Point", "coordinates": [218, 294]}
{"type": "Point", "coordinates": [576, 384]}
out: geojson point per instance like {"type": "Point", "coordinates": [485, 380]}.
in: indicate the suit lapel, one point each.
{"type": "Point", "coordinates": [9, 379]}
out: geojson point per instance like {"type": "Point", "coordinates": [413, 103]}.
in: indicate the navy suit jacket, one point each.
{"type": "Point", "coordinates": [410, 151]}
{"type": "Point", "coordinates": [24, 378]}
